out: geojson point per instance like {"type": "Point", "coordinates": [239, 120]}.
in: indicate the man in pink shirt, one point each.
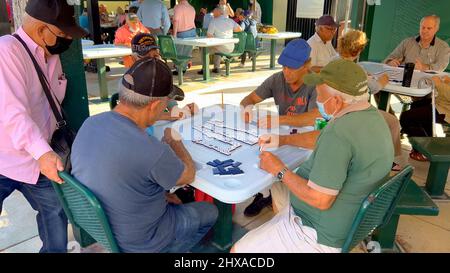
{"type": "Point", "coordinates": [184, 26]}
{"type": "Point", "coordinates": [27, 162]}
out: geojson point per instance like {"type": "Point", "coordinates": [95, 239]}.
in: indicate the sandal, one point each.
{"type": "Point", "coordinates": [415, 155]}
{"type": "Point", "coordinates": [395, 167]}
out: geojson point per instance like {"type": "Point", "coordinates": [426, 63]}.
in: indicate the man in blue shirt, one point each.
{"type": "Point", "coordinates": [130, 171]}
{"type": "Point", "coordinates": [155, 16]}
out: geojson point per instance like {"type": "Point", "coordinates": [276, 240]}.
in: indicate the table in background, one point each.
{"type": "Point", "coordinates": [205, 43]}
{"type": "Point", "coordinates": [99, 53]}
{"type": "Point", "coordinates": [273, 42]}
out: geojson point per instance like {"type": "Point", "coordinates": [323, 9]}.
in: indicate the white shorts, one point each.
{"type": "Point", "coordinates": [284, 233]}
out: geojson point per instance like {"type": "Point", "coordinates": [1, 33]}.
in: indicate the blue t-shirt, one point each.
{"type": "Point", "coordinates": [128, 171]}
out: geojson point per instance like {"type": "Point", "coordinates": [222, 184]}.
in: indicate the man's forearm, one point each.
{"type": "Point", "coordinates": [304, 140]}
{"type": "Point", "coordinates": [182, 153]}
{"type": "Point", "coordinates": [304, 119]}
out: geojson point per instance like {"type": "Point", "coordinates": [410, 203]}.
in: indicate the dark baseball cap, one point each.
{"type": "Point", "coordinates": [326, 20]}
{"type": "Point", "coordinates": [57, 13]}
{"type": "Point", "coordinates": [151, 77]}
{"type": "Point", "coordinates": [142, 43]}
{"type": "Point", "coordinates": [295, 54]}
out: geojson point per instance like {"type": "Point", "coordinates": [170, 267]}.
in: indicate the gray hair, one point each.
{"type": "Point", "coordinates": [348, 99]}
{"type": "Point", "coordinates": [436, 18]}
{"type": "Point", "coordinates": [132, 98]}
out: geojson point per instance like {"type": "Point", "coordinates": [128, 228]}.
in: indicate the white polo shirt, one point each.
{"type": "Point", "coordinates": [321, 53]}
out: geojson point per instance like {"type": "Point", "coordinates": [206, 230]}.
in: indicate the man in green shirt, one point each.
{"type": "Point", "coordinates": [354, 152]}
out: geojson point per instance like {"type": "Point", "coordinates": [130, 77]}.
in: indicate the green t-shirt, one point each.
{"type": "Point", "coordinates": [353, 154]}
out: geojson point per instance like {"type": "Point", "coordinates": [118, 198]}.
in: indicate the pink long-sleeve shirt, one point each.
{"type": "Point", "coordinates": [26, 120]}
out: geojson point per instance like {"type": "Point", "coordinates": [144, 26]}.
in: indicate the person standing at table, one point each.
{"type": "Point", "coordinates": [291, 96]}
{"type": "Point", "coordinates": [184, 27]}
{"type": "Point", "coordinates": [125, 34]}
{"type": "Point", "coordinates": [221, 27]}
{"type": "Point", "coordinates": [27, 162]}
{"type": "Point", "coordinates": [322, 51]}
{"type": "Point", "coordinates": [155, 16]}
{"type": "Point", "coordinates": [256, 10]}
{"type": "Point", "coordinates": [426, 51]}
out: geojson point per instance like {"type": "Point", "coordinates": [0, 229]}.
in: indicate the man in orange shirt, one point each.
{"type": "Point", "coordinates": [125, 34]}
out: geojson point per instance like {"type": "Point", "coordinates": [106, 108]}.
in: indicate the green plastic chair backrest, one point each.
{"type": "Point", "coordinates": [250, 45]}
{"type": "Point", "coordinates": [84, 211]}
{"type": "Point", "coordinates": [377, 209]}
{"type": "Point", "coordinates": [240, 47]}
{"type": "Point", "coordinates": [167, 47]}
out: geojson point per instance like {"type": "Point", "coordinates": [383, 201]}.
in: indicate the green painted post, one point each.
{"type": "Point", "coordinates": [205, 60]}
{"type": "Point", "coordinates": [273, 47]}
{"type": "Point", "coordinates": [385, 98]}
{"type": "Point", "coordinates": [386, 234]}
{"type": "Point", "coordinates": [436, 179]}
{"type": "Point", "coordinates": [103, 83]}
{"type": "Point", "coordinates": [223, 228]}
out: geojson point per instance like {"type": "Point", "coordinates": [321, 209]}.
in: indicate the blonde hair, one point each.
{"type": "Point", "coordinates": [352, 43]}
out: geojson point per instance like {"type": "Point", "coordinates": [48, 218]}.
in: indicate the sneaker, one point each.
{"type": "Point", "coordinates": [216, 70]}
{"type": "Point", "coordinates": [257, 205]}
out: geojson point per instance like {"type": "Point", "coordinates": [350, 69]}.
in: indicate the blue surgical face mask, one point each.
{"type": "Point", "coordinates": [321, 107]}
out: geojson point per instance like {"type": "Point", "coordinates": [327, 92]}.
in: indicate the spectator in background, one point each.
{"type": "Point", "coordinates": [207, 19]}
{"type": "Point", "coordinates": [125, 34]}
{"type": "Point", "coordinates": [84, 19]}
{"type": "Point", "coordinates": [256, 10]}
{"type": "Point", "coordinates": [239, 11]}
{"type": "Point", "coordinates": [120, 17]}
{"type": "Point", "coordinates": [248, 25]}
{"type": "Point", "coordinates": [155, 17]}
{"type": "Point", "coordinates": [322, 51]}
{"type": "Point", "coordinates": [227, 10]}
{"type": "Point", "coordinates": [103, 12]}
{"type": "Point", "coordinates": [133, 10]}
{"type": "Point", "coordinates": [199, 17]}
{"type": "Point", "coordinates": [221, 27]}
{"type": "Point", "coordinates": [427, 51]}
{"type": "Point", "coordinates": [184, 26]}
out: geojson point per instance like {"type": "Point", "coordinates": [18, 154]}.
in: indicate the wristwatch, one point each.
{"type": "Point", "coordinates": [281, 173]}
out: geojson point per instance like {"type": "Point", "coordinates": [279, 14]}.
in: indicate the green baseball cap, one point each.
{"type": "Point", "coordinates": [342, 75]}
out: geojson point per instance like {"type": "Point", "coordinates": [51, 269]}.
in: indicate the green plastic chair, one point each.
{"type": "Point", "coordinates": [169, 52]}
{"type": "Point", "coordinates": [253, 51]}
{"type": "Point", "coordinates": [239, 49]}
{"type": "Point", "coordinates": [201, 32]}
{"type": "Point", "coordinates": [377, 209]}
{"type": "Point", "coordinates": [85, 212]}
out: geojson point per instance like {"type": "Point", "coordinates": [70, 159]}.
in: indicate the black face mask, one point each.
{"type": "Point", "coordinates": [61, 44]}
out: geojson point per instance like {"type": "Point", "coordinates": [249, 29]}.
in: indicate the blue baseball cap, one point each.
{"type": "Point", "coordinates": [295, 54]}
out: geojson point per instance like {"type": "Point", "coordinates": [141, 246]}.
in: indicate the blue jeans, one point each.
{"type": "Point", "coordinates": [51, 219]}
{"type": "Point", "coordinates": [183, 50]}
{"type": "Point", "coordinates": [193, 221]}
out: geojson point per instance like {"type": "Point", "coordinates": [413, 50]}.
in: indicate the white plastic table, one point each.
{"type": "Point", "coordinates": [273, 42]}
{"type": "Point", "coordinates": [395, 86]}
{"type": "Point", "coordinates": [100, 52]}
{"type": "Point", "coordinates": [205, 42]}
{"type": "Point", "coordinates": [86, 42]}
{"type": "Point", "coordinates": [227, 190]}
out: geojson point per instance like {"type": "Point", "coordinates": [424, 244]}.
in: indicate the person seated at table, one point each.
{"type": "Point", "coordinates": [103, 12]}
{"type": "Point", "coordinates": [248, 25]}
{"type": "Point", "coordinates": [417, 122]}
{"type": "Point", "coordinates": [426, 51]}
{"type": "Point", "coordinates": [322, 51]}
{"type": "Point", "coordinates": [130, 171]}
{"type": "Point", "coordinates": [255, 10]}
{"type": "Point", "coordinates": [84, 19]}
{"type": "Point", "coordinates": [350, 46]}
{"type": "Point", "coordinates": [291, 96]}
{"type": "Point", "coordinates": [145, 45]}
{"type": "Point", "coordinates": [316, 205]}
{"type": "Point", "coordinates": [121, 17]}
{"type": "Point", "coordinates": [125, 34]}
{"type": "Point", "coordinates": [236, 18]}
{"type": "Point", "coordinates": [221, 27]}
{"type": "Point", "coordinates": [207, 19]}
